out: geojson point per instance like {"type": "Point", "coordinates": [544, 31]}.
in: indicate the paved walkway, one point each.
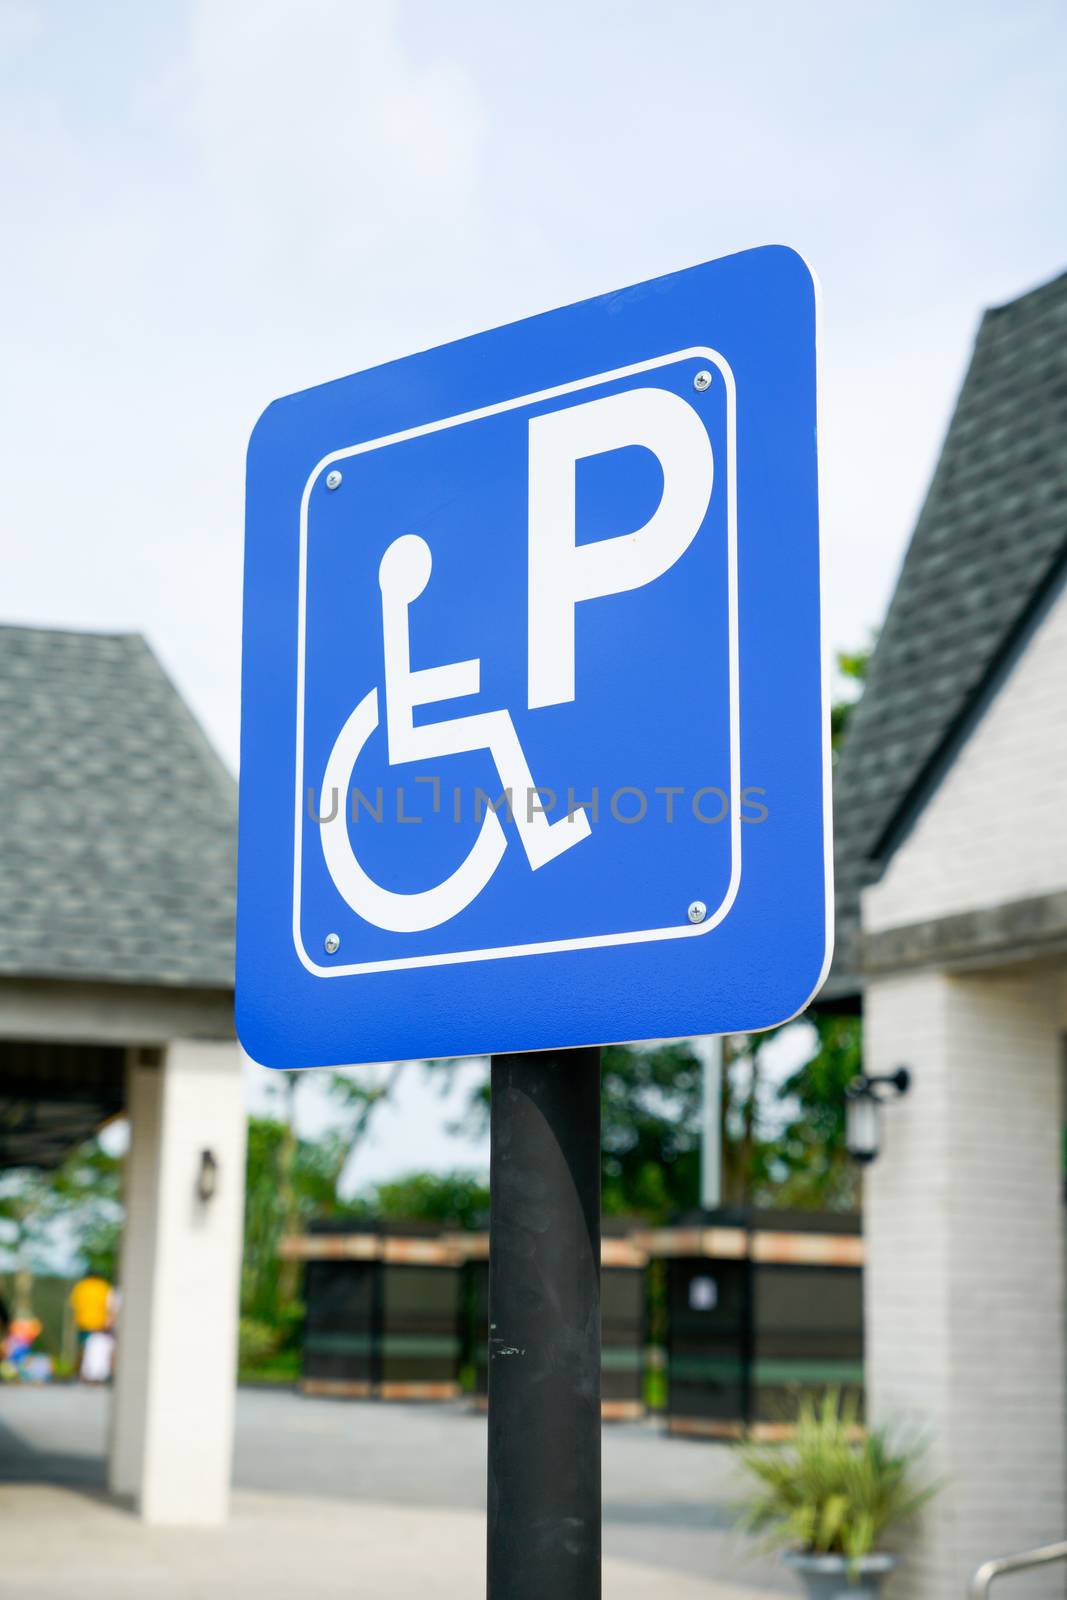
{"type": "Point", "coordinates": [368, 1501]}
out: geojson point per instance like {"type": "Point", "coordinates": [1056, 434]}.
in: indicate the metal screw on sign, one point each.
{"type": "Point", "coordinates": [333, 479]}
{"type": "Point", "coordinates": [697, 911]}
{"type": "Point", "coordinates": [332, 943]}
{"type": "Point", "coordinates": [702, 380]}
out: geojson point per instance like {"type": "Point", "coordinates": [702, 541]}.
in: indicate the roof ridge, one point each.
{"type": "Point", "coordinates": [959, 727]}
{"type": "Point", "coordinates": [1041, 288]}
{"type": "Point", "coordinates": [52, 630]}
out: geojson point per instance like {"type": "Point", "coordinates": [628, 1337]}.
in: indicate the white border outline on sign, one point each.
{"type": "Point", "coordinates": [685, 930]}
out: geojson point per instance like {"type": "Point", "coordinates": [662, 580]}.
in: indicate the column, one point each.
{"type": "Point", "coordinates": [965, 1266]}
{"type": "Point", "coordinates": [172, 1425]}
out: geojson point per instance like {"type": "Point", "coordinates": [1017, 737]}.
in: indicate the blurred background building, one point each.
{"type": "Point", "coordinates": [951, 822]}
{"type": "Point", "coordinates": [116, 973]}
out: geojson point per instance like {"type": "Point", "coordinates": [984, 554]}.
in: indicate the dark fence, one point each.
{"type": "Point", "coordinates": [760, 1309]}
{"type": "Point", "coordinates": [382, 1313]}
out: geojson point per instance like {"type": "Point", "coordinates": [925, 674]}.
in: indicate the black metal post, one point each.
{"type": "Point", "coordinates": [544, 1327]}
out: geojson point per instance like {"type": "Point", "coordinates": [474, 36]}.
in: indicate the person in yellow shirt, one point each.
{"type": "Point", "coordinates": [90, 1301]}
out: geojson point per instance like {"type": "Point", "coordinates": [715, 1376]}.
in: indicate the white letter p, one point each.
{"type": "Point", "coordinates": [562, 572]}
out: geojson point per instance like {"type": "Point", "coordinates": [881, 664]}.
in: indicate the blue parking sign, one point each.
{"type": "Point", "coordinates": [533, 743]}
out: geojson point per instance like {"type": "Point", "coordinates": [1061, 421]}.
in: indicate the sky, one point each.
{"type": "Point", "coordinates": [208, 203]}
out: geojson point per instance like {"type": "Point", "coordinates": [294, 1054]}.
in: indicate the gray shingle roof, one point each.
{"type": "Point", "coordinates": [989, 538]}
{"type": "Point", "coordinates": [117, 818]}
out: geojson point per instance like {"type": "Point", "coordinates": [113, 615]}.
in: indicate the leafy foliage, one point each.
{"type": "Point", "coordinates": [650, 1122]}
{"type": "Point", "coordinates": [288, 1180]}
{"type": "Point", "coordinates": [780, 1146]}
{"type": "Point", "coordinates": [650, 1128]}
{"type": "Point", "coordinates": [853, 665]}
{"type": "Point", "coordinates": [84, 1194]}
{"type": "Point", "coordinates": [28, 1206]}
{"type": "Point", "coordinates": [256, 1342]}
{"type": "Point", "coordinates": [451, 1199]}
{"type": "Point", "coordinates": [833, 1490]}
{"type": "Point", "coordinates": [818, 1172]}
{"type": "Point", "coordinates": [88, 1188]}
{"type": "Point", "coordinates": [750, 1168]}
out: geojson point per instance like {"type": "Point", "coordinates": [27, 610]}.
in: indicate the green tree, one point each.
{"type": "Point", "coordinates": [818, 1169]}
{"type": "Point", "coordinates": [77, 1204]}
{"type": "Point", "coordinates": [287, 1208]}
{"type": "Point", "coordinates": [748, 1151]}
{"type": "Point", "coordinates": [360, 1097]}
{"type": "Point", "coordinates": [782, 1145]}
{"type": "Point", "coordinates": [88, 1191]}
{"type": "Point", "coordinates": [28, 1208]}
{"type": "Point", "coordinates": [811, 1146]}
{"type": "Point", "coordinates": [853, 666]}
{"type": "Point", "coordinates": [314, 1167]}
{"type": "Point", "coordinates": [650, 1129]}
{"type": "Point", "coordinates": [271, 1312]}
{"type": "Point", "coordinates": [451, 1199]}
{"type": "Point", "coordinates": [297, 1171]}
{"type": "Point", "coordinates": [650, 1102]}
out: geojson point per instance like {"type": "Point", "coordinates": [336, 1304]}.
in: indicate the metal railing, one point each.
{"type": "Point", "coordinates": [1041, 1557]}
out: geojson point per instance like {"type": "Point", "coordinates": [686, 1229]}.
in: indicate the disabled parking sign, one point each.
{"type": "Point", "coordinates": [533, 735]}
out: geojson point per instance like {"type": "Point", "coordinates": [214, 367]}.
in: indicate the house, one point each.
{"type": "Point", "coordinates": [951, 815]}
{"type": "Point", "coordinates": [117, 846]}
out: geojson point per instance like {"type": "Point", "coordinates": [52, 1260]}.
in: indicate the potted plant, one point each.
{"type": "Point", "coordinates": [827, 1497]}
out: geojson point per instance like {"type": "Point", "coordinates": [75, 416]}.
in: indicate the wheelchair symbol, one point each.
{"type": "Point", "coordinates": [402, 576]}
{"type": "Point", "coordinates": [563, 573]}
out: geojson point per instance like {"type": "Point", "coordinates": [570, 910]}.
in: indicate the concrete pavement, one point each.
{"type": "Point", "coordinates": [58, 1543]}
{"type": "Point", "coordinates": [362, 1500]}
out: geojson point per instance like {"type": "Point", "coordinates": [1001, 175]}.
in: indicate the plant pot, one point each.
{"type": "Point", "coordinates": [829, 1577]}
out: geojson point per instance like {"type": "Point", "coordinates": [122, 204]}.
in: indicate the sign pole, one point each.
{"type": "Point", "coordinates": [711, 1125]}
{"type": "Point", "coordinates": [544, 1326]}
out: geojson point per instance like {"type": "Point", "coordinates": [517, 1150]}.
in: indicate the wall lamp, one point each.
{"type": "Point", "coordinates": [863, 1101]}
{"type": "Point", "coordinates": [207, 1179]}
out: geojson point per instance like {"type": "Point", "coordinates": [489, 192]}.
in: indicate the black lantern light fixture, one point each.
{"type": "Point", "coordinates": [207, 1179]}
{"type": "Point", "coordinates": [863, 1100]}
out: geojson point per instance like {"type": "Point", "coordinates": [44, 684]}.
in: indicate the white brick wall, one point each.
{"type": "Point", "coordinates": [965, 1277]}
{"type": "Point", "coordinates": [996, 828]}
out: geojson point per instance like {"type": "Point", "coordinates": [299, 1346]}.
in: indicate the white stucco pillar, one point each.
{"type": "Point", "coordinates": [172, 1424]}
{"type": "Point", "coordinates": [144, 1107]}
{"type": "Point", "coordinates": [965, 1266]}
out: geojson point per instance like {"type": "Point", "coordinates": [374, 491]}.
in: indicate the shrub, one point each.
{"type": "Point", "coordinates": [835, 1488]}
{"type": "Point", "coordinates": [256, 1342]}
